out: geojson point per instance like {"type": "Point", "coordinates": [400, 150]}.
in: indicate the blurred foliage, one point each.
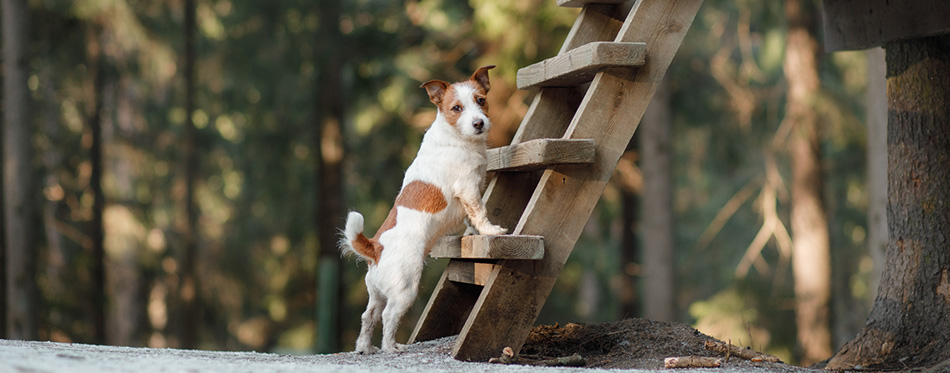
{"type": "Point", "coordinates": [256, 192]}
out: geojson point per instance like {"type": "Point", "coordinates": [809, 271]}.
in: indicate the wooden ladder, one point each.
{"type": "Point", "coordinates": [546, 183]}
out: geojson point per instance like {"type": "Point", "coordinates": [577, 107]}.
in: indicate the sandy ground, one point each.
{"type": "Point", "coordinates": [432, 356]}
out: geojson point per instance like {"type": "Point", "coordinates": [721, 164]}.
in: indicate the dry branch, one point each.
{"type": "Point", "coordinates": [691, 362]}
{"type": "Point", "coordinates": [566, 361]}
{"type": "Point", "coordinates": [508, 356]}
{"type": "Point", "coordinates": [745, 353]}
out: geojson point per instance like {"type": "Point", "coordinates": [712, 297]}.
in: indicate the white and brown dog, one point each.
{"type": "Point", "coordinates": [442, 186]}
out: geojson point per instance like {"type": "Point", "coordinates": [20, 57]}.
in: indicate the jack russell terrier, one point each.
{"type": "Point", "coordinates": [442, 187]}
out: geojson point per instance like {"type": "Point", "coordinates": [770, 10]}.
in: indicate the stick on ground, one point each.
{"type": "Point", "coordinates": [691, 362]}
{"type": "Point", "coordinates": [744, 353]}
{"type": "Point", "coordinates": [566, 361]}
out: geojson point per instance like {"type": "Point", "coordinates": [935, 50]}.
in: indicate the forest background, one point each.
{"type": "Point", "coordinates": [188, 194]}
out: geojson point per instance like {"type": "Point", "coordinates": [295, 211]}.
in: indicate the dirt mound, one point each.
{"type": "Point", "coordinates": [627, 344]}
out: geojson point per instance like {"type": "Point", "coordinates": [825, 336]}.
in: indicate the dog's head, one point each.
{"type": "Point", "coordinates": [464, 105]}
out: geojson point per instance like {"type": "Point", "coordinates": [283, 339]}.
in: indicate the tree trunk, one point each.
{"type": "Point", "coordinates": [811, 258]}
{"type": "Point", "coordinates": [18, 184]}
{"type": "Point", "coordinates": [910, 321]}
{"type": "Point", "coordinates": [189, 284]}
{"type": "Point", "coordinates": [877, 165]}
{"type": "Point", "coordinates": [629, 253]}
{"type": "Point", "coordinates": [329, 117]}
{"type": "Point", "coordinates": [628, 178]}
{"type": "Point", "coordinates": [125, 282]}
{"type": "Point", "coordinates": [655, 145]}
{"type": "Point", "coordinates": [94, 118]}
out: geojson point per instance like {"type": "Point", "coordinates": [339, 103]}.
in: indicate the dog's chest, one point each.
{"type": "Point", "coordinates": [448, 166]}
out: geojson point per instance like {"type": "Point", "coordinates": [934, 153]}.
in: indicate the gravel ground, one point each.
{"type": "Point", "coordinates": [431, 356]}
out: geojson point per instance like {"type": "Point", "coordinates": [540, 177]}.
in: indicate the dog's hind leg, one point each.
{"type": "Point", "coordinates": [396, 308]}
{"type": "Point", "coordinates": [374, 308]}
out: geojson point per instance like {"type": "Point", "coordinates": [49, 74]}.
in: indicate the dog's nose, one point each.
{"type": "Point", "coordinates": [478, 124]}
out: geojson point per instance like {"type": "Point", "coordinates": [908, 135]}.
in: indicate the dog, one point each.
{"type": "Point", "coordinates": [442, 187]}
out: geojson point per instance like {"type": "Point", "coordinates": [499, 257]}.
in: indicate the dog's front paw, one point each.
{"type": "Point", "coordinates": [493, 230]}
{"type": "Point", "coordinates": [367, 350]}
{"type": "Point", "coordinates": [469, 230]}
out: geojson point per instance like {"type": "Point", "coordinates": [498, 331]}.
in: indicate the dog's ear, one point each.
{"type": "Point", "coordinates": [435, 89]}
{"type": "Point", "coordinates": [480, 77]}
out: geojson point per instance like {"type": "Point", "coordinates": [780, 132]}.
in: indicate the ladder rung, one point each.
{"type": "Point", "coordinates": [468, 272]}
{"type": "Point", "coordinates": [580, 64]}
{"type": "Point", "coordinates": [489, 247]}
{"type": "Point", "coordinates": [540, 153]}
{"type": "Point", "coordinates": [580, 3]}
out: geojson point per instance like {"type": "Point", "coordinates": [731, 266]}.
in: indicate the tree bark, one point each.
{"type": "Point", "coordinates": [189, 291]}
{"type": "Point", "coordinates": [910, 321]}
{"type": "Point", "coordinates": [329, 118]}
{"type": "Point", "coordinates": [18, 176]}
{"type": "Point", "coordinates": [877, 165]}
{"type": "Point", "coordinates": [655, 145]}
{"type": "Point", "coordinates": [811, 258]}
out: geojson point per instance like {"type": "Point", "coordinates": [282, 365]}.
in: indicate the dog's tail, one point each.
{"type": "Point", "coordinates": [354, 242]}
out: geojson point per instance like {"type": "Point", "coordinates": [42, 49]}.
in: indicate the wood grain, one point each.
{"type": "Point", "coordinates": [468, 272]}
{"type": "Point", "coordinates": [580, 64]}
{"type": "Point", "coordinates": [862, 24]}
{"type": "Point", "coordinates": [489, 247]}
{"type": "Point", "coordinates": [596, 22]}
{"type": "Point", "coordinates": [540, 153]}
{"type": "Point", "coordinates": [446, 311]}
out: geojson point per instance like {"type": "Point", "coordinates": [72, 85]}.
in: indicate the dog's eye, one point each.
{"type": "Point", "coordinates": [480, 101]}
{"type": "Point", "coordinates": [457, 108]}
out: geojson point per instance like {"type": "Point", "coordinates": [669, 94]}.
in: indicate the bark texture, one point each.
{"type": "Point", "coordinates": [910, 321]}
{"type": "Point", "coordinates": [19, 215]}
{"type": "Point", "coordinates": [811, 258]}
{"type": "Point", "coordinates": [877, 165]}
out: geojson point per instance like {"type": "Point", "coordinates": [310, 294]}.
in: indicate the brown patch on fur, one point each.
{"type": "Point", "coordinates": [480, 94]}
{"type": "Point", "coordinates": [370, 249]}
{"type": "Point", "coordinates": [417, 195]}
{"type": "Point", "coordinates": [450, 100]}
{"type": "Point", "coordinates": [422, 196]}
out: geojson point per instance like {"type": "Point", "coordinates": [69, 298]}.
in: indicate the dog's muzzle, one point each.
{"type": "Point", "coordinates": [479, 126]}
